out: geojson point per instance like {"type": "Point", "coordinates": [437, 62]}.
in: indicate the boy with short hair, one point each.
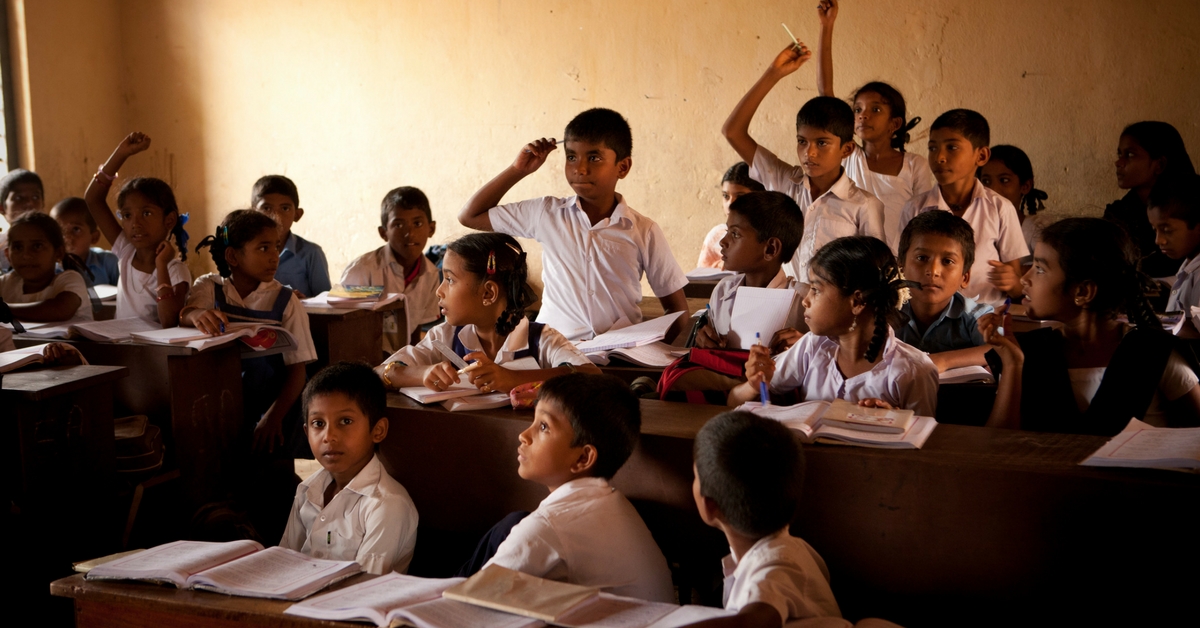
{"type": "Point", "coordinates": [937, 250]}
{"type": "Point", "coordinates": [400, 266]}
{"type": "Point", "coordinates": [749, 472]}
{"type": "Point", "coordinates": [351, 509]}
{"type": "Point", "coordinates": [1174, 213]}
{"type": "Point", "coordinates": [80, 234]}
{"type": "Point", "coordinates": [833, 206]}
{"type": "Point", "coordinates": [585, 532]}
{"type": "Point", "coordinates": [958, 147]}
{"type": "Point", "coordinates": [21, 192]}
{"type": "Point", "coordinates": [764, 231]}
{"type": "Point", "coordinates": [302, 264]}
{"type": "Point", "coordinates": [595, 247]}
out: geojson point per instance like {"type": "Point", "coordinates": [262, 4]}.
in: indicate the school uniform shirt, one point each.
{"type": "Point", "coordinates": [904, 376]}
{"type": "Point", "coordinates": [381, 268]}
{"type": "Point", "coordinates": [1185, 291]}
{"type": "Point", "coordinates": [720, 303]}
{"type": "Point", "coordinates": [302, 267]}
{"type": "Point", "coordinates": [957, 327]}
{"type": "Point", "coordinates": [104, 266]}
{"type": "Point", "coordinates": [1178, 379]}
{"type": "Point", "coordinates": [1032, 228]}
{"type": "Point", "coordinates": [843, 210]}
{"type": "Point", "coordinates": [553, 349]}
{"type": "Point", "coordinates": [136, 290]}
{"type": "Point", "coordinates": [710, 249]}
{"type": "Point", "coordinates": [592, 273]}
{"type": "Point", "coordinates": [587, 533]}
{"type": "Point", "coordinates": [295, 319]}
{"type": "Point", "coordinates": [783, 571]}
{"type": "Point", "coordinates": [894, 191]}
{"type": "Point", "coordinates": [998, 235]}
{"type": "Point", "coordinates": [12, 289]}
{"type": "Point", "coordinates": [372, 521]}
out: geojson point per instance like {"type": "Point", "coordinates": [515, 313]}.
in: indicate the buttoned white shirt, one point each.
{"type": "Point", "coordinates": [12, 288]}
{"type": "Point", "coordinates": [843, 210]}
{"type": "Point", "coordinates": [295, 319]}
{"type": "Point", "coordinates": [894, 191]}
{"type": "Point", "coordinates": [587, 533]}
{"type": "Point", "coordinates": [904, 377]}
{"type": "Point", "coordinates": [998, 235]}
{"type": "Point", "coordinates": [381, 268]}
{"type": "Point", "coordinates": [372, 521]}
{"type": "Point", "coordinates": [136, 290]}
{"type": "Point", "coordinates": [783, 571]}
{"type": "Point", "coordinates": [720, 302]}
{"type": "Point", "coordinates": [553, 349]}
{"type": "Point", "coordinates": [1185, 292]}
{"type": "Point", "coordinates": [592, 273]}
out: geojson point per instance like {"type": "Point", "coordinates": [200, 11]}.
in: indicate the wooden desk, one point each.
{"type": "Point", "coordinates": [700, 288]}
{"type": "Point", "coordinates": [100, 604]}
{"type": "Point", "coordinates": [980, 518]}
{"type": "Point", "coordinates": [346, 334]}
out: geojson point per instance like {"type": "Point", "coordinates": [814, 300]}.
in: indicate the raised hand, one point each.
{"type": "Point", "coordinates": [533, 155]}
{"type": "Point", "coordinates": [827, 11]}
{"type": "Point", "coordinates": [789, 60]}
{"type": "Point", "coordinates": [133, 144]}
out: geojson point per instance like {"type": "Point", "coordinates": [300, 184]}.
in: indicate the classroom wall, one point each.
{"type": "Point", "coordinates": [353, 98]}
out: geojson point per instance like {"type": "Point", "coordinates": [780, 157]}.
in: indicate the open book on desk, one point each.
{"type": "Point", "coordinates": [644, 333]}
{"type": "Point", "coordinates": [1145, 446]}
{"type": "Point", "coordinates": [236, 568]}
{"type": "Point", "coordinates": [327, 301]}
{"type": "Point", "coordinates": [51, 331]}
{"type": "Point", "coordinates": [654, 355]}
{"type": "Point", "coordinates": [805, 419]}
{"type": "Point", "coordinates": [465, 389]}
{"type": "Point", "coordinates": [25, 356]}
{"type": "Point", "coordinates": [257, 336]}
{"type": "Point", "coordinates": [115, 330]}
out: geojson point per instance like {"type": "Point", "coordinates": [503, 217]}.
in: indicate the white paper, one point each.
{"type": "Point", "coordinates": [758, 310]}
{"type": "Point", "coordinates": [690, 614]}
{"type": "Point", "coordinates": [708, 274]}
{"type": "Point", "coordinates": [382, 594]}
{"type": "Point", "coordinates": [49, 331]}
{"type": "Point", "coordinates": [654, 355]}
{"type": "Point", "coordinates": [1142, 445]}
{"type": "Point", "coordinates": [614, 611]}
{"type": "Point", "coordinates": [805, 418]}
{"type": "Point", "coordinates": [464, 388]}
{"type": "Point", "coordinates": [15, 359]}
{"type": "Point", "coordinates": [115, 330]}
{"type": "Point", "coordinates": [643, 333]}
{"type": "Point", "coordinates": [183, 558]}
{"type": "Point", "coordinates": [275, 572]}
{"type": "Point", "coordinates": [966, 374]}
{"type": "Point", "coordinates": [322, 301]}
{"type": "Point", "coordinates": [477, 402]}
{"type": "Point", "coordinates": [105, 292]}
{"type": "Point", "coordinates": [444, 613]}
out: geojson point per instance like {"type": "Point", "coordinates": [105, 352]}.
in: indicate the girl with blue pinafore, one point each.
{"type": "Point", "coordinates": [246, 252]}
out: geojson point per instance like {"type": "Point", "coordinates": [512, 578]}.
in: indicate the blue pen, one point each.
{"type": "Point", "coordinates": [764, 396]}
{"type": "Point", "coordinates": [1000, 328]}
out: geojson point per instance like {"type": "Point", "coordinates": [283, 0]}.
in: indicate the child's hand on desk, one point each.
{"type": "Point", "coordinates": [708, 338]}
{"type": "Point", "coordinates": [789, 60]}
{"type": "Point", "coordinates": [133, 144]}
{"type": "Point", "coordinates": [268, 433]}
{"type": "Point", "coordinates": [533, 155]}
{"type": "Point", "coordinates": [489, 376]}
{"type": "Point", "coordinates": [61, 354]}
{"type": "Point", "coordinates": [211, 322]}
{"type": "Point", "coordinates": [875, 403]}
{"type": "Point", "coordinates": [784, 339]}
{"type": "Point", "coordinates": [440, 376]}
{"type": "Point", "coordinates": [759, 367]}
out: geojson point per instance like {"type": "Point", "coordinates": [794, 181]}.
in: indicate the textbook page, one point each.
{"type": "Point", "coordinates": [690, 614]}
{"type": "Point", "coordinates": [966, 375]}
{"type": "Point", "coordinates": [17, 358]}
{"type": "Point", "coordinates": [1143, 445]}
{"type": "Point", "coordinates": [758, 310]}
{"type": "Point", "coordinates": [115, 330]}
{"type": "Point", "coordinates": [48, 331]}
{"type": "Point", "coordinates": [373, 599]}
{"type": "Point", "coordinates": [643, 333]}
{"type": "Point", "coordinates": [444, 613]}
{"type": "Point", "coordinates": [614, 611]}
{"type": "Point", "coordinates": [275, 572]}
{"type": "Point", "coordinates": [511, 591]}
{"type": "Point", "coordinates": [464, 388]}
{"type": "Point", "coordinates": [708, 274]}
{"type": "Point", "coordinates": [173, 562]}
{"type": "Point", "coordinates": [485, 401]}
{"type": "Point", "coordinates": [654, 355]}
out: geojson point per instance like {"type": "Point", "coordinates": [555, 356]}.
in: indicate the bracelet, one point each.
{"type": "Point", "coordinates": [161, 286]}
{"type": "Point", "coordinates": [108, 177]}
{"type": "Point", "coordinates": [570, 367]}
{"type": "Point", "coordinates": [387, 368]}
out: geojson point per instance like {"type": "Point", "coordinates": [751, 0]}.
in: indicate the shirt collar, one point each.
{"type": "Point", "coordinates": [619, 215]}
{"type": "Point", "coordinates": [1189, 266]}
{"type": "Point", "coordinates": [231, 292]}
{"type": "Point", "coordinates": [565, 491]}
{"type": "Point", "coordinates": [313, 488]}
{"type": "Point", "coordinates": [517, 340]}
{"type": "Point", "coordinates": [292, 243]}
{"type": "Point", "coordinates": [954, 309]}
{"type": "Point", "coordinates": [841, 189]}
{"type": "Point", "coordinates": [781, 280]}
{"type": "Point", "coordinates": [730, 562]}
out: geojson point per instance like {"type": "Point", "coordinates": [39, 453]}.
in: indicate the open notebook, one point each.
{"type": "Point", "coordinates": [805, 419]}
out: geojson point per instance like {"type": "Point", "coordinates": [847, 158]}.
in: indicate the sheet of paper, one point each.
{"type": "Point", "coordinates": [52, 330]}
{"type": "Point", "coordinates": [966, 374]}
{"type": "Point", "coordinates": [655, 354]}
{"type": "Point", "coordinates": [1141, 444]}
{"type": "Point", "coordinates": [171, 335]}
{"type": "Point", "coordinates": [464, 388]}
{"type": "Point", "coordinates": [382, 594]}
{"type": "Point", "coordinates": [105, 292]}
{"type": "Point", "coordinates": [690, 614]}
{"type": "Point", "coordinates": [445, 613]}
{"type": "Point", "coordinates": [477, 402]}
{"type": "Point", "coordinates": [758, 310]}
{"type": "Point", "coordinates": [708, 274]}
{"type": "Point", "coordinates": [802, 417]}
{"type": "Point", "coordinates": [187, 557]}
{"type": "Point", "coordinates": [512, 591]}
{"type": "Point", "coordinates": [614, 611]}
{"type": "Point", "coordinates": [17, 358]}
{"type": "Point", "coordinates": [114, 330]}
{"type": "Point", "coordinates": [273, 572]}
{"type": "Point", "coordinates": [643, 333]}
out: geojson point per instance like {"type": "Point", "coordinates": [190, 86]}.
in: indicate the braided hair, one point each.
{"type": "Point", "coordinates": [239, 227]}
{"type": "Point", "coordinates": [1099, 251]}
{"type": "Point", "coordinates": [159, 193]}
{"type": "Point", "coordinates": [895, 101]}
{"type": "Point", "coordinates": [865, 265]}
{"type": "Point", "coordinates": [1019, 163]}
{"type": "Point", "coordinates": [54, 235]}
{"type": "Point", "coordinates": [509, 271]}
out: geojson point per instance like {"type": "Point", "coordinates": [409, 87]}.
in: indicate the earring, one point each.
{"type": "Point", "coordinates": [1078, 301]}
{"type": "Point", "coordinates": [854, 325]}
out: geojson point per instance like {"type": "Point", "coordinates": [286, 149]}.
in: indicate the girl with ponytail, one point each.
{"type": "Point", "coordinates": [484, 295]}
{"type": "Point", "coordinates": [1009, 173]}
{"type": "Point", "coordinates": [880, 166]}
{"type": "Point", "coordinates": [856, 290]}
{"type": "Point", "coordinates": [1093, 374]}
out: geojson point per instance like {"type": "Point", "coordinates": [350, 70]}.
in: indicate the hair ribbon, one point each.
{"type": "Point", "coordinates": [183, 218]}
{"type": "Point", "coordinates": [491, 263]}
{"type": "Point", "coordinates": [223, 231]}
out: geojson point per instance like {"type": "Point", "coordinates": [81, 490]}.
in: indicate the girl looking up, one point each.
{"type": "Point", "coordinates": [483, 296]}
{"type": "Point", "coordinates": [245, 249]}
{"type": "Point", "coordinates": [851, 353]}
{"type": "Point", "coordinates": [1009, 173]}
{"type": "Point", "coordinates": [153, 284]}
{"type": "Point", "coordinates": [735, 183]}
{"type": "Point", "coordinates": [1093, 374]}
{"type": "Point", "coordinates": [1146, 152]}
{"type": "Point", "coordinates": [31, 289]}
{"type": "Point", "coordinates": [880, 166]}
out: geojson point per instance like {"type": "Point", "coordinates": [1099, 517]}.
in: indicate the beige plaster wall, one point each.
{"type": "Point", "coordinates": [352, 98]}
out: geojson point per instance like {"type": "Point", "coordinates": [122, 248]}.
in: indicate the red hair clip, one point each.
{"type": "Point", "coordinates": [491, 263]}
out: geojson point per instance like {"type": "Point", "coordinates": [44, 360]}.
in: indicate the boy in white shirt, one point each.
{"type": "Point", "coordinates": [1174, 212]}
{"type": "Point", "coordinates": [400, 265]}
{"type": "Point", "coordinates": [585, 532]}
{"type": "Point", "coordinates": [748, 476]}
{"type": "Point", "coordinates": [595, 247]}
{"type": "Point", "coordinates": [351, 509]}
{"type": "Point", "coordinates": [958, 147]}
{"type": "Point", "coordinates": [833, 206]}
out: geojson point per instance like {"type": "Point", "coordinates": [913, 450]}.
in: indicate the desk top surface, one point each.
{"type": "Point", "coordinates": [38, 384]}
